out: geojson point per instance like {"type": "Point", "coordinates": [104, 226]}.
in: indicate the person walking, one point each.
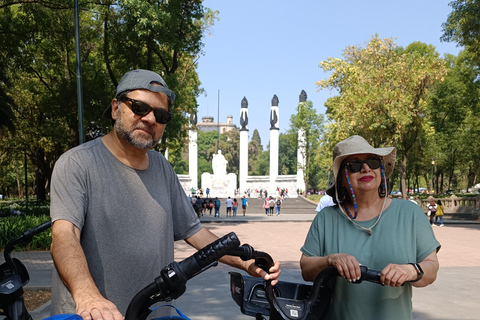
{"type": "Point", "coordinates": [217, 207]}
{"type": "Point", "coordinates": [266, 206]}
{"type": "Point", "coordinates": [278, 205]}
{"type": "Point", "coordinates": [235, 207]}
{"type": "Point", "coordinates": [271, 204]}
{"type": "Point", "coordinates": [210, 206]}
{"type": "Point", "coordinates": [325, 201]}
{"type": "Point", "coordinates": [229, 203]}
{"type": "Point", "coordinates": [204, 207]}
{"type": "Point", "coordinates": [432, 210]}
{"type": "Point", "coordinates": [439, 214]}
{"type": "Point", "coordinates": [244, 205]}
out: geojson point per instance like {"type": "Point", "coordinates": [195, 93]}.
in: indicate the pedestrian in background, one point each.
{"type": "Point", "coordinates": [271, 203]}
{"type": "Point", "coordinates": [278, 206]}
{"type": "Point", "coordinates": [244, 205]}
{"type": "Point", "coordinates": [229, 203]}
{"type": "Point", "coordinates": [217, 207]}
{"type": "Point", "coordinates": [432, 209]}
{"type": "Point", "coordinates": [235, 207]}
{"type": "Point", "coordinates": [266, 206]}
{"type": "Point", "coordinates": [439, 214]}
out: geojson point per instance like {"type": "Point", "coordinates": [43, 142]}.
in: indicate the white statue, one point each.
{"type": "Point", "coordinates": [219, 164]}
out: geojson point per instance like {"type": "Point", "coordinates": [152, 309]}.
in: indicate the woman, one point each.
{"type": "Point", "coordinates": [266, 206]}
{"type": "Point", "coordinates": [439, 214]}
{"type": "Point", "coordinates": [235, 207]}
{"type": "Point", "coordinates": [366, 227]}
{"type": "Point", "coordinates": [432, 209]}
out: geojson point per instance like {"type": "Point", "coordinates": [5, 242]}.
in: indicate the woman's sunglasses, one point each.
{"type": "Point", "coordinates": [142, 109]}
{"type": "Point", "coordinates": [357, 165]}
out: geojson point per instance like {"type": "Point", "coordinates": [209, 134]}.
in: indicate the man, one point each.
{"type": "Point", "coordinates": [229, 203]}
{"type": "Point", "coordinates": [244, 205]}
{"type": "Point", "coordinates": [325, 201]}
{"type": "Point", "coordinates": [117, 207]}
{"type": "Point", "coordinates": [217, 207]}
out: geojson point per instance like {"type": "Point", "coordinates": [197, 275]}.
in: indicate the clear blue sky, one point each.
{"type": "Point", "coordinates": [265, 47]}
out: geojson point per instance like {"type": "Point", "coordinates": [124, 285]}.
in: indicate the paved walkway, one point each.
{"type": "Point", "coordinates": [455, 294]}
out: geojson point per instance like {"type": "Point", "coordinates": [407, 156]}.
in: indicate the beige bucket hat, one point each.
{"type": "Point", "coordinates": [358, 145]}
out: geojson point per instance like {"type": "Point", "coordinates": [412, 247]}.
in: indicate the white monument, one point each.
{"type": "Point", "coordinates": [301, 149]}
{"type": "Point", "coordinates": [274, 131]}
{"type": "Point", "coordinates": [243, 166]}
{"type": "Point", "coordinates": [221, 184]}
{"type": "Point", "coordinates": [193, 151]}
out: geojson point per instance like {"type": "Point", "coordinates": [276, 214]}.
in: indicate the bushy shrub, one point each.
{"type": "Point", "coordinates": [17, 208]}
{"type": "Point", "coordinates": [12, 226]}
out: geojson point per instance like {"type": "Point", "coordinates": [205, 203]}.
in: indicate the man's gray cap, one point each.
{"type": "Point", "coordinates": [142, 79]}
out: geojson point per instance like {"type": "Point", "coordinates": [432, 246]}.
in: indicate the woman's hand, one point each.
{"type": "Point", "coordinates": [347, 266]}
{"type": "Point", "coordinates": [394, 275]}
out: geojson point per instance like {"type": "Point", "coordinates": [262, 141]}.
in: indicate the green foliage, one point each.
{"type": "Point", "coordinates": [13, 226]}
{"type": "Point", "coordinates": [287, 153]}
{"type": "Point", "coordinates": [383, 95]}
{"type": "Point", "coordinates": [230, 146]}
{"type": "Point", "coordinates": [255, 149]}
{"type": "Point", "coordinates": [37, 57]}
{"type": "Point", "coordinates": [308, 121]}
{"type": "Point", "coordinates": [463, 26]}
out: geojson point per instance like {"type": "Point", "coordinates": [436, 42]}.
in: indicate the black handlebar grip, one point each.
{"type": "Point", "coordinates": [370, 275]}
{"type": "Point", "coordinates": [38, 229]}
{"type": "Point", "coordinates": [211, 253]}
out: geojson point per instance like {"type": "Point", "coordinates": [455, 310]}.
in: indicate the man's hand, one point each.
{"type": "Point", "coordinates": [272, 274]}
{"type": "Point", "coordinates": [97, 308]}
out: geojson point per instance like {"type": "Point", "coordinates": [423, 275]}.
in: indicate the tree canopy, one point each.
{"type": "Point", "coordinates": [37, 57]}
{"type": "Point", "coordinates": [463, 26]}
{"type": "Point", "coordinates": [382, 94]}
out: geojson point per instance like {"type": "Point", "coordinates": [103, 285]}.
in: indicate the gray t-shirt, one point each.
{"type": "Point", "coordinates": [129, 219]}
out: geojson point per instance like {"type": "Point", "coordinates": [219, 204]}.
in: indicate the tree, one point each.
{"type": "Point", "coordinates": [463, 26]}
{"type": "Point", "coordinates": [255, 149]}
{"type": "Point", "coordinates": [311, 122]}
{"type": "Point", "coordinates": [38, 49]}
{"type": "Point", "coordinates": [287, 153]}
{"type": "Point", "coordinates": [230, 146]}
{"type": "Point", "coordinates": [7, 116]}
{"type": "Point", "coordinates": [383, 94]}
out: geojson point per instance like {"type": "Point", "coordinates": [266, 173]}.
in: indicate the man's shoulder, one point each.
{"type": "Point", "coordinates": [82, 152]}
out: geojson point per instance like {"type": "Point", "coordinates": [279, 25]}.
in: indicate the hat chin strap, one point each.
{"type": "Point", "coordinates": [369, 229]}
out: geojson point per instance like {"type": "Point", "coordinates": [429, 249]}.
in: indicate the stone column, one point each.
{"type": "Point", "coordinates": [274, 131]}
{"type": "Point", "coordinates": [193, 151]}
{"type": "Point", "coordinates": [301, 150]}
{"type": "Point", "coordinates": [243, 166]}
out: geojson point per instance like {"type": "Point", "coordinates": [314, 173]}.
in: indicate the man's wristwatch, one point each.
{"type": "Point", "coordinates": [419, 271]}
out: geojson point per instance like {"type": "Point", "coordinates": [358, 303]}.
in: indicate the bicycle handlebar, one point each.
{"type": "Point", "coordinates": [26, 236]}
{"type": "Point", "coordinates": [171, 282]}
{"type": "Point", "coordinates": [317, 303]}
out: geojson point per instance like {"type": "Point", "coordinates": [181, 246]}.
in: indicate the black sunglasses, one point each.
{"type": "Point", "coordinates": [142, 109]}
{"type": "Point", "coordinates": [357, 165]}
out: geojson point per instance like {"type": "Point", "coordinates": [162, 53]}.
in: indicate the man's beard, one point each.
{"type": "Point", "coordinates": [141, 143]}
